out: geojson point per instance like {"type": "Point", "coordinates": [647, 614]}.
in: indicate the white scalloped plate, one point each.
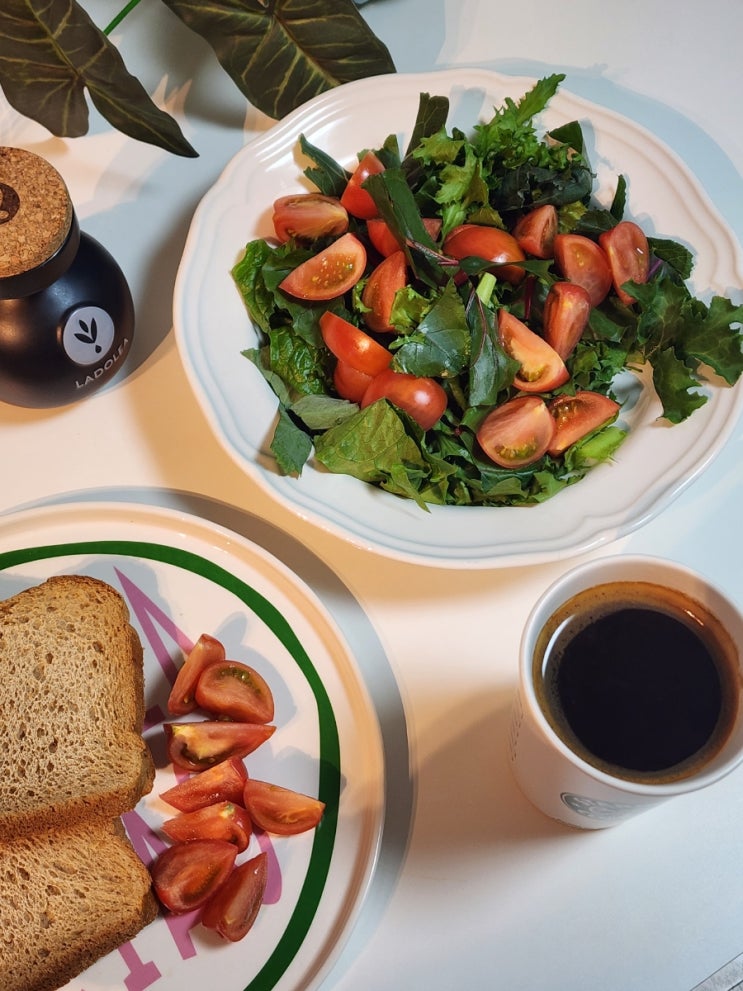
{"type": "Point", "coordinates": [652, 467]}
{"type": "Point", "coordinates": [181, 576]}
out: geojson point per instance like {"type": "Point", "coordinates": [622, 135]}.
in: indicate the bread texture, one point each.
{"type": "Point", "coordinates": [71, 707]}
{"type": "Point", "coordinates": [67, 897]}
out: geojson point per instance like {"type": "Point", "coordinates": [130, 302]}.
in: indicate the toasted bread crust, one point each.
{"type": "Point", "coordinates": [68, 897]}
{"type": "Point", "coordinates": [72, 888]}
{"type": "Point", "coordinates": [72, 702]}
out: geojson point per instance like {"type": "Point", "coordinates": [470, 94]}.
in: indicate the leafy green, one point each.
{"type": "Point", "coordinates": [446, 317]}
{"type": "Point", "coordinates": [279, 54]}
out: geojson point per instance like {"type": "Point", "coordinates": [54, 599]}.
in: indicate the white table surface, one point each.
{"type": "Point", "coordinates": [474, 888]}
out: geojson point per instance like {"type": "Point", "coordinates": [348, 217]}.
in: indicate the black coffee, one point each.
{"type": "Point", "coordinates": [639, 680]}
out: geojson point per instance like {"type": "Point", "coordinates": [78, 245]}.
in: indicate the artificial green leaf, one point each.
{"type": "Point", "coordinates": [51, 52]}
{"type": "Point", "coordinates": [280, 53]}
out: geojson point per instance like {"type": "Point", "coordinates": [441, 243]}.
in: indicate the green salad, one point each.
{"type": "Point", "coordinates": [449, 322]}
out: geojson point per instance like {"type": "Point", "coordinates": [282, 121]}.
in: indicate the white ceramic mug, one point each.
{"type": "Point", "coordinates": [553, 777]}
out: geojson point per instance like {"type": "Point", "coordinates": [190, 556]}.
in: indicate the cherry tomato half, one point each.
{"type": "Point", "coordinates": [352, 345]}
{"type": "Point", "coordinates": [195, 746]}
{"type": "Point", "coordinates": [584, 262]}
{"type": "Point", "coordinates": [379, 291]}
{"type": "Point", "coordinates": [579, 415]}
{"type": "Point", "coordinates": [385, 241]}
{"type": "Point", "coordinates": [355, 199]}
{"type": "Point", "coordinates": [221, 821]}
{"type": "Point", "coordinates": [350, 383]}
{"type": "Point", "coordinates": [234, 908]}
{"type": "Point", "coordinates": [542, 369]}
{"type": "Point", "coordinates": [518, 432]}
{"type": "Point", "coordinates": [281, 810]}
{"type": "Point", "coordinates": [307, 216]}
{"type": "Point", "coordinates": [422, 398]}
{"type": "Point", "coordinates": [207, 650]}
{"type": "Point", "coordinates": [489, 243]}
{"type": "Point", "coordinates": [222, 783]}
{"type": "Point", "coordinates": [535, 231]}
{"type": "Point", "coordinates": [186, 875]}
{"type": "Point", "coordinates": [330, 272]}
{"type": "Point", "coordinates": [234, 690]}
{"type": "Point", "coordinates": [628, 252]}
{"type": "Point", "coordinates": [566, 312]}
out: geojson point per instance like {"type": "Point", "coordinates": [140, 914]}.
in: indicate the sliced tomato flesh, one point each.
{"type": "Point", "coordinates": [350, 383]}
{"type": "Point", "coordinates": [491, 244]}
{"type": "Point", "coordinates": [330, 273]}
{"type": "Point", "coordinates": [421, 397]}
{"type": "Point", "coordinates": [352, 345]}
{"type": "Point", "coordinates": [281, 810]}
{"type": "Point", "coordinates": [355, 199]}
{"type": "Point", "coordinates": [518, 432]}
{"type": "Point", "coordinates": [186, 875]}
{"type": "Point", "coordinates": [224, 782]}
{"type": "Point", "coordinates": [584, 262]}
{"type": "Point", "coordinates": [196, 746]}
{"type": "Point", "coordinates": [221, 821]}
{"type": "Point", "coordinates": [541, 367]}
{"type": "Point", "coordinates": [535, 231]}
{"type": "Point", "coordinates": [307, 216]}
{"type": "Point", "coordinates": [234, 690]}
{"type": "Point", "coordinates": [567, 310]}
{"type": "Point", "coordinates": [628, 252]}
{"type": "Point", "coordinates": [577, 416]}
{"type": "Point", "coordinates": [232, 911]}
{"type": "Point", "coordinates": [207, 650]}
{"type": "Point", "coordinates": [379, 292]}
{"type": "Point", "coordinates": [385, 241]}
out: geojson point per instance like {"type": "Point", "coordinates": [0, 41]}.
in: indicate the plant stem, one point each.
{"type": "Point", "coordinates": [120, 16]}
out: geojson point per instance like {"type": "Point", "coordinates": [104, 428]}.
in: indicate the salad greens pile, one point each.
{"type": "Point", "coordinates": [447, 327]}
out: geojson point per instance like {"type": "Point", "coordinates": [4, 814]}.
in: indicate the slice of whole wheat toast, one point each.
{"type": "Point", "coordinates": [71, 706]}
{"type": "Point", "coordinates": [67, 897]}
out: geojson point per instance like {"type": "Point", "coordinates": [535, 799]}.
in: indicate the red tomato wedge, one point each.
{"type": "Point", "coordinates": [355, 199]}
{"type": "Point", "coordinates": [542, 369]}
{"type": "Point", "coordinates": [379, 292]}
{"type": "Point", "coordinates": [517, 433]}
{"type": "Point", "coordinates": [234, 690]}
{"type": "Point", "coordinates": [186, 875]}
{"type": "Point", "coordinates": [196, 746]}
{"type": "Point", "coordinates": [535, 231]}
{"type": "Point", "coordinates": [234, 908]}
{"type": "Point", "coordinates": [221, 821]}
{"type": "Point", "coordinates": [350, 383]}
{"type": "Point", "coordinates": [222, 783]}
{"type": "Point", "coordinates": [584, 262]}
{"type": "Point", "coordinates": [352, 345]}
{"type": "Point", "coordinates": [306, 216]}
{"type": "Point", "coordinates": [207, 650]}
{"type": "Point", "coordinates": [280, 810]}
{"type": "Point", "coordinates": [422, 398]}
{"type": "Point", "coordinates": [489, 243]}
{"type": "Point", "coordinates": [330, 272]}
{"type": "Point", "coordinates": [385, 241]}
{"type": "Point", "coordinates": [579, 415]}
{"type": "Point", "coordinates": [566, 312]}
{"type": "Point", "coordinates": [628, 252]}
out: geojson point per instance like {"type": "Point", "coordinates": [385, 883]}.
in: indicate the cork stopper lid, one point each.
{"type": "Point", "coordinates": [35, 211]}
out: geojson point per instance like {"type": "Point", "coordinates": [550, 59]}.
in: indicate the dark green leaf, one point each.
{"type": "Point", "coordinates": [281, 53]}
{"type": "Point", "coordinates": [51, 51]}
{"type": "Point", "coordinates": [676, 255]}
{"type": "Point", "coordinates": [291, 446]}
{"type": "Point", "coordinates": [432, 114]}
{"type": "Point", "coordinates": [440, 347]}
{"type": "Point", "coordinates": [329, 177]}
{"type": "Point", "coordinates": [677, 390]}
